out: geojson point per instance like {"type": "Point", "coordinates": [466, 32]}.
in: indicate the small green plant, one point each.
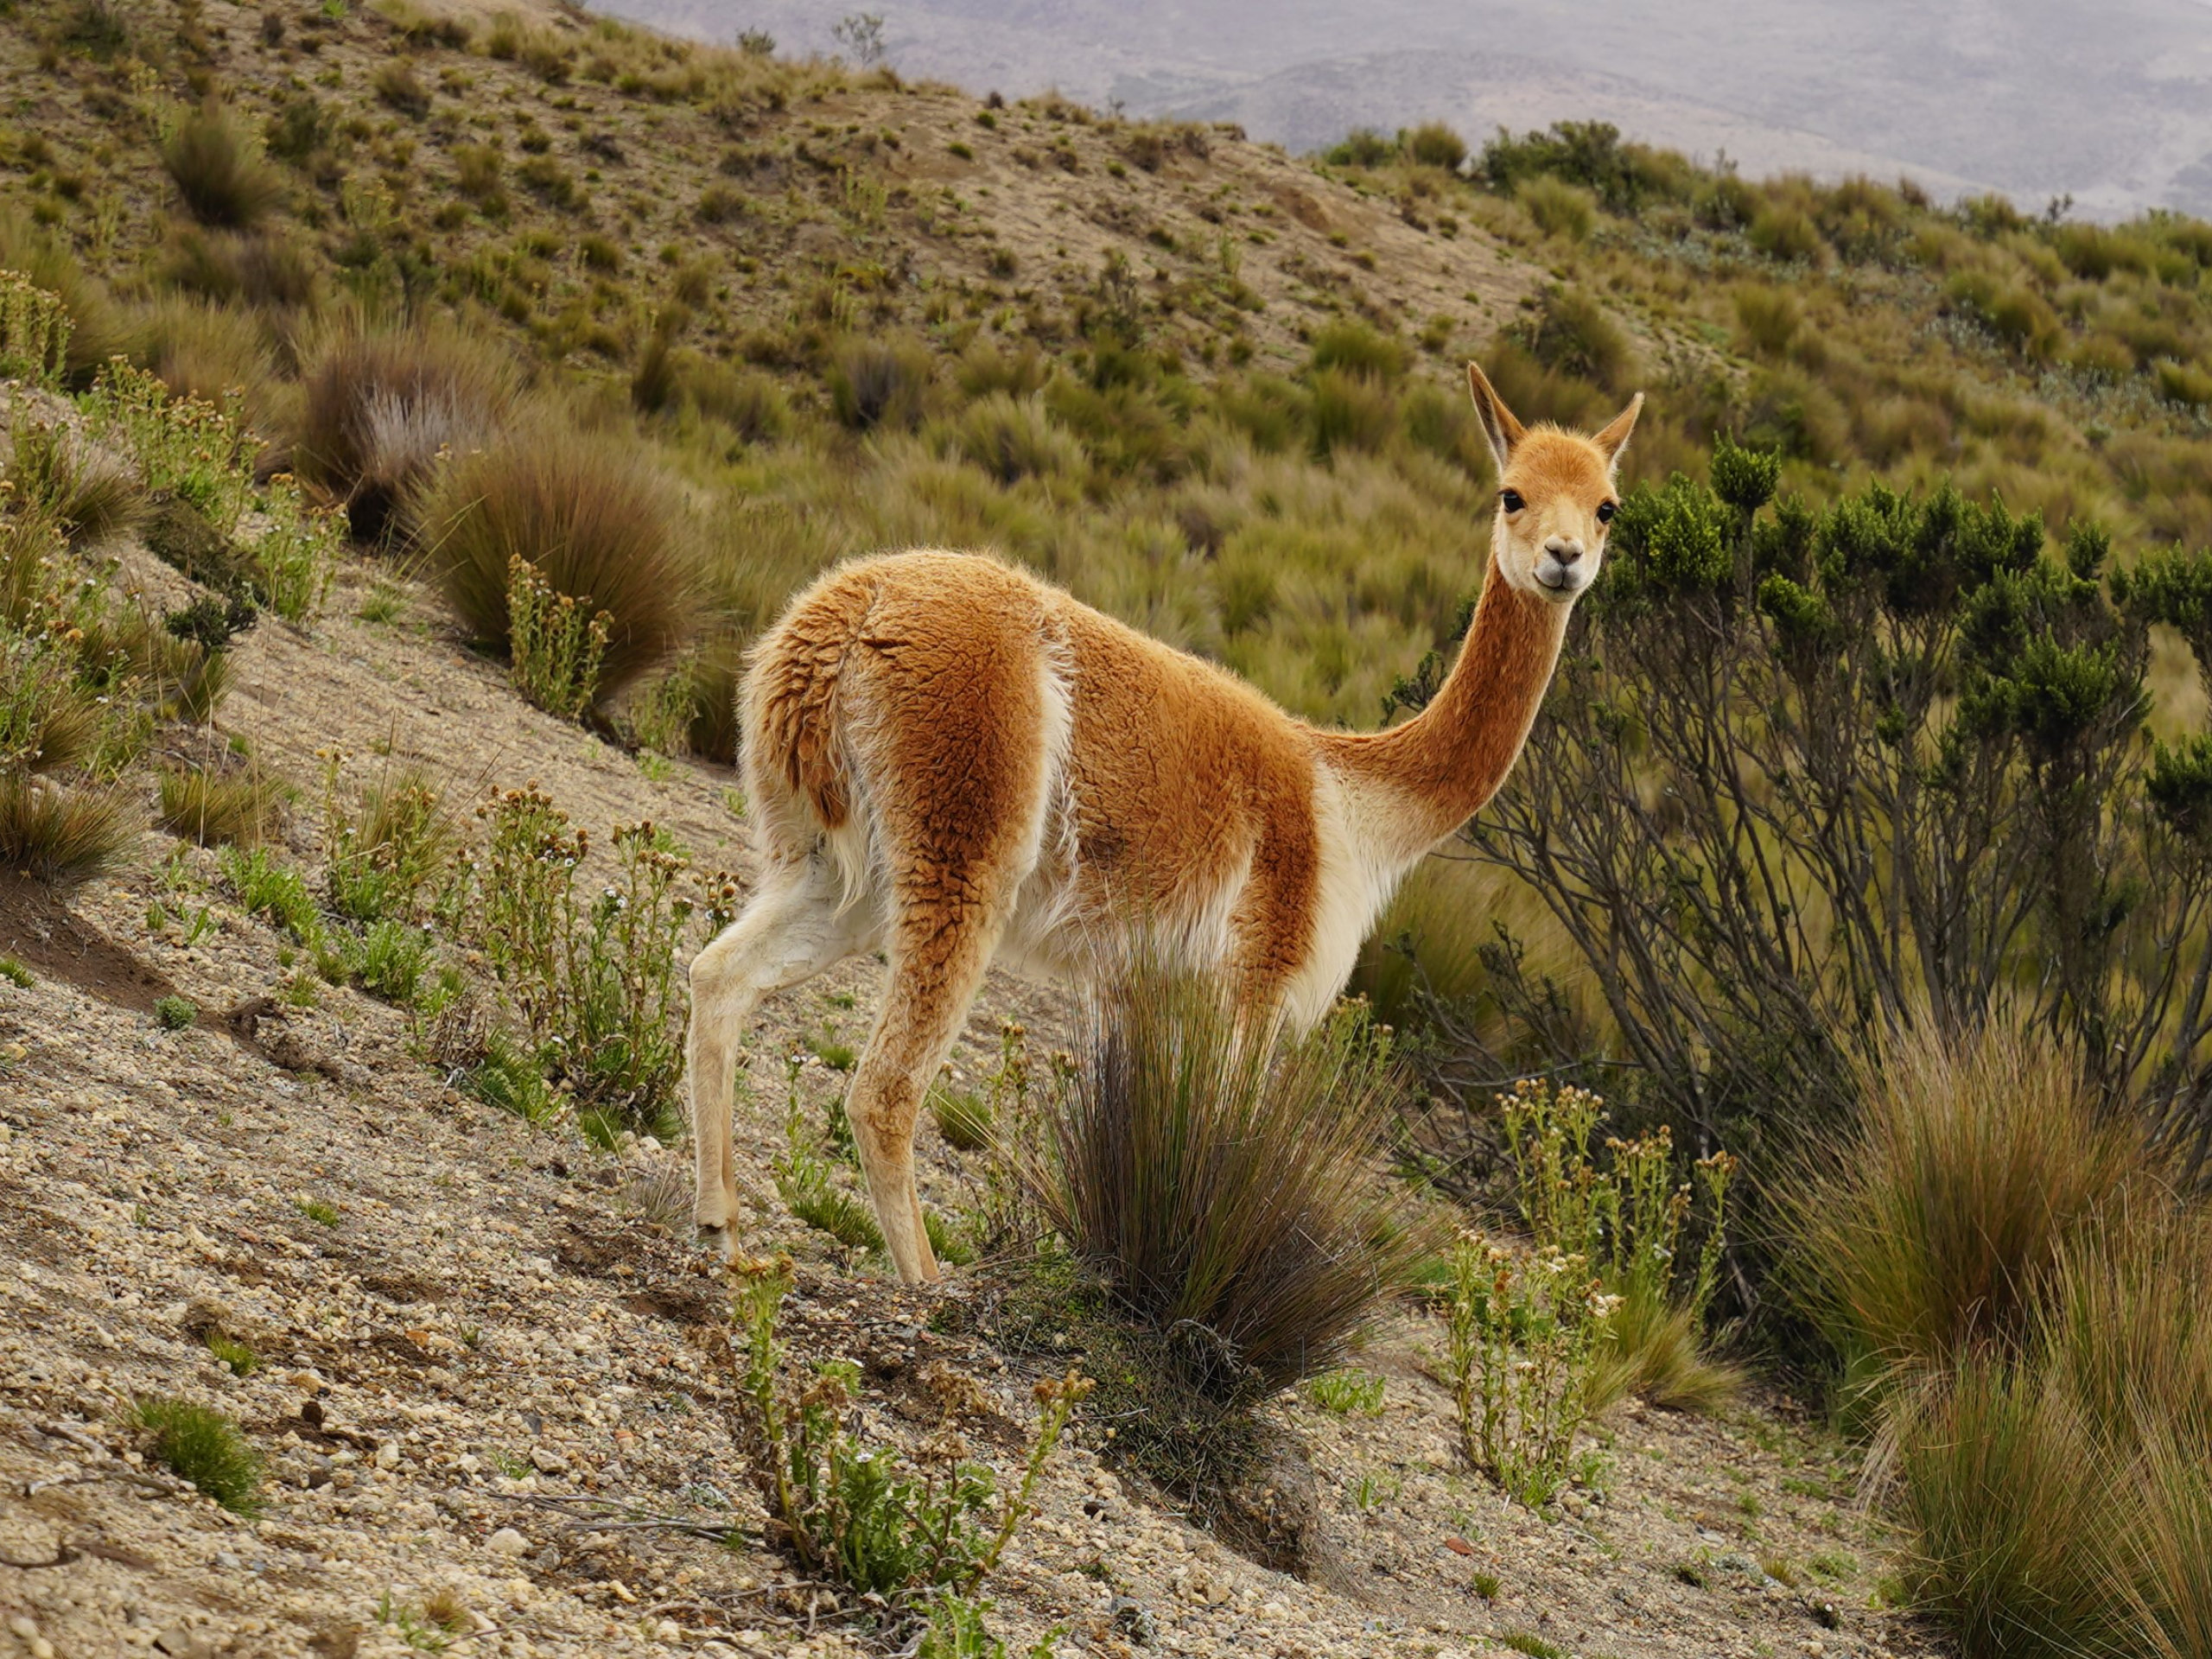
{"type": "Point", "coordinates": [204, 1448]}
{"type": "Point", "coordinates": [1486, 1584]}
{"type": "Point", "coordinates": [16, 974]}
{"type": "Point", "coordinates": [385, 852]}
{"type": "Point", "coordinates": [428, 1626]}
{"type": "Point", "coordinates": [1626, 1216]}
{"type": "Point", "coordinates": [174, 1012]}
{"type": "Point", "coordinates": [856, 1513]}
{"type": "Point", "coordinates": [507, 1078]}
{"type": "Point", "coordinates": [317, 1211]}
{"type": "Point", "coordinates": [957, 1631]}
{"type": "Point", "coordinates": [596, 984]}
{"type": "Point", "coordinates": [1346, 1391]}
{"type": "Point", "coordinates": [1534, 1646]}
{"type": "Point", "coordinates": [237, 1356]}
{"type": "Point", "coordinates": [1372, 1488]}
{"type": "Point", "coordinates": [33, 332]}
{"type": "Point", "coordinates": [268, 888]}
{"type": "Point", "coordinates": [557, 642]}
{"type": "Point", "coordinates": [1525, 1332]}
{"type": "Point", "coordinates": [807, 1181]}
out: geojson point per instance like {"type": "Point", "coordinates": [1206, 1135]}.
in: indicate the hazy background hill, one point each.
{"type": "Point", "coordinates": [2110, 103]}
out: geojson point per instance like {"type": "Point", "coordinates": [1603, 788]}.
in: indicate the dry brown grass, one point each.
{"type": "Point", "coordinates": [1216, 1184]}
{"type": "Point", "coordinates": [598, 520]}
{"type": "Point", "coordinates": [1937, 1224]}
{"type": "Point", "coordinates": [62, 835]}
{"type": "Point", "coordinates": [379, 404]}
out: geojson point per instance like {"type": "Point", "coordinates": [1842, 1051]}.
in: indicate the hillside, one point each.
{"type": "Point", "coordinates": [269, 1139]}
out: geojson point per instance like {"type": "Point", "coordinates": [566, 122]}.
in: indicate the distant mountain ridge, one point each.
{"type": "Point", "coordinates": [2110, 104]}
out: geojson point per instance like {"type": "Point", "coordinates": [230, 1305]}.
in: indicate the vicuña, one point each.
{"type": "Point", "coordinates": [957, 764]}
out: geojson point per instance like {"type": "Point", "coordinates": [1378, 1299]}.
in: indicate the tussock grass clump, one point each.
{"type": "Point", "coordinates": [2018, 1532]}
{"type": "Point", "coordinates": [213, 806]}
{"type": "Point", "coordinates": [379, 404]}
{"type": "Point", "coordinates": [1214, 1181]}
{"type": "Point", "coordinates": [875, 383]}
{"type": "Point", "coordinates": [64, 836]}
{"type": "Point", "coordinates": [217, 165]}
{"type": "Point", "coordinates": [1939, 1219]}
{"type": "Point", "coordinates": [91, 493]}
{"type": "Point", "coordinates": [201, 1445]}
{"type": "Point", "coordinates": [594, 520]}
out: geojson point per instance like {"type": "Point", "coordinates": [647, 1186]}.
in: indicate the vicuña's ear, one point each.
{"type": "Point", "coordinates": [1499, 424]}
{"type": "Point", "coordinates": [1614, 438]}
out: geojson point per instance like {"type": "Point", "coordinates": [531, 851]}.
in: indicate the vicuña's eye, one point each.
{"type": "Point", "coordinates": [1605, 511]}
{"type": "Point", "coordinates": [1510, 500]}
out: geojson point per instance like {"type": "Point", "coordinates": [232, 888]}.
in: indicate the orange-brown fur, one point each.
{"type": "Point", "coordinates": [957, 763]}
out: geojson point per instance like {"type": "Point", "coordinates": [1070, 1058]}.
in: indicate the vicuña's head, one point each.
{"type": "Point", "coordinates": [1555, 494]}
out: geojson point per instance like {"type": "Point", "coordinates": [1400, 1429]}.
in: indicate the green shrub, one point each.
{"type": "Point", "coordinates": [600, 528]}
{"type": "Point", "coordinates": [204, 1448]}
{"type": "Point", "coordinates": [218, 169]}
{"type": "Point", "coordinates": [1350, 413]}
{"type": "Point", "coordinates": [1786, 233]}
{"type": "Point", "coordinates": [850, 1511]}
{"type": "Point", "coordinates": [1625, 1222]}
{"type": "Point", "coordinates": [1361, 147]}
{"type": "Point", "coordinates": [1558, 207]}
{"type": "Point", "coordinates": [556, 645]}
{"type": "Point", "coordinates": [35, 328]}
{"type": "Point", "coordinates": [1013, 439]}
{"type": "Point", "coordinates": [1767, 317]}
{"type": "Point", "coordinates": [175, 1013]}
{"type": "Point", "coordinates": [1570, 332]}
{"type": "Point", "coordinates": [1355, 348]}
{"type": "Point", "coordinates": [1213, 1183]}
{"type": "Point", "coordinates": [593, 981]}
{"type": "Point", "coordinates": [1433, 144]}
{"type": "Point", "coordinates": [1525, 1333]}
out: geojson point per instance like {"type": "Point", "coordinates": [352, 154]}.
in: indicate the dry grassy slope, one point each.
{"type": "Point", "coordinates": [489, 1294]}
{"type": "Point", "coordinates": [843, 185]}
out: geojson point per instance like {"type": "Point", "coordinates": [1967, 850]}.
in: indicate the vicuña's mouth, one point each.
{"type": "Point", "coordinates": [1558, 580]}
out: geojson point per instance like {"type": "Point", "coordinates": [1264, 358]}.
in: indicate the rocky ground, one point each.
{"type": "Point", "coordinates": [495, 1384]}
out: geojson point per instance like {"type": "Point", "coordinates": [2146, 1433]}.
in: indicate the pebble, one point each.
{"type": "Point", "coordinates": [547, 1461]}
{"type": "Point", "coordinates": [388, 1455]}
{"type": "Point", "coordinates": [508, 1542]}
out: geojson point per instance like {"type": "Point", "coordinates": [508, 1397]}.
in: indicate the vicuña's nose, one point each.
{"type": "Point", "coordinates": [1565, 549]}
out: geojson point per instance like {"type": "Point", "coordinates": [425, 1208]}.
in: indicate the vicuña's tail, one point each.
{"type": "Point", "coordinates": [798, 762]}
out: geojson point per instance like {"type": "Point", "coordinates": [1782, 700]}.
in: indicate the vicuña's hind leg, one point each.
{"type": "Point", "coordinates": [935, 974]}
{"type": "Point", "coordinates": [789, 932]}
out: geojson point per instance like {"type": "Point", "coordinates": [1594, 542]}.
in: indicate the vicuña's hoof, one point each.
{"type": "Point", "coordinates": [721, 1242]}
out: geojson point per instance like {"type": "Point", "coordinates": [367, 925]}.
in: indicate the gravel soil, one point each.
{"type": "Point", "coordinates": [495, 1382]}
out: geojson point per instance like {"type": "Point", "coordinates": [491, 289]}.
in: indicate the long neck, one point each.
{"type": "Point", "coordinates": [1418, 782]}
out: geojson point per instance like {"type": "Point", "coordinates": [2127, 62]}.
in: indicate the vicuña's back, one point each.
{"type": "Point", "coordinates": [954, 762]}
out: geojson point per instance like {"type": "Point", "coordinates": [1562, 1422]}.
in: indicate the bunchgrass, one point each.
{"type": "Point", "coordinates": [63, 836]}
{"type": "Point", "coordinates": [1218, 1183]}
{"type": "Point", "coordinates": [217, 165]}
{"type": "Point", "coordinates": [1931, 1228]}
{"type": "Point", "coordinates": [241, 805]}
{"type": "Point", "coordinates": [202, 1447]}
{"type": "Point", "coordinates": [597, 524]}
{"type": "Point", "coordinates": [379, 404]}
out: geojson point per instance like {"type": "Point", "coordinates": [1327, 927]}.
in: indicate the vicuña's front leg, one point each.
{"type": "Point", "coordinates": [789, 931]}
